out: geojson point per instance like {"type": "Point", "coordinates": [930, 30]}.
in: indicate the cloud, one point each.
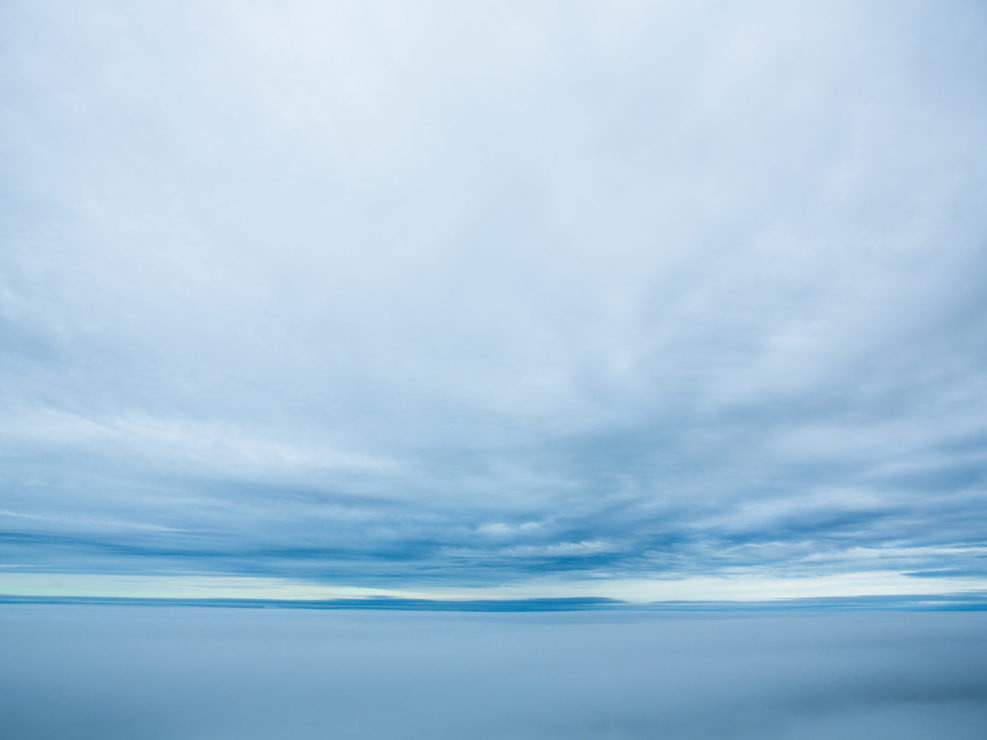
{"type": "Point", "coordinates": [410, 299]}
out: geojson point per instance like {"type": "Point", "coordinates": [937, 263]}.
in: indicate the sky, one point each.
{"type": "Point", "coordinates": [635, 300]}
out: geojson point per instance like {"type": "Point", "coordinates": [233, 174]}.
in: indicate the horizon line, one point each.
{"type": "Point", "coordinates": [969, 601]}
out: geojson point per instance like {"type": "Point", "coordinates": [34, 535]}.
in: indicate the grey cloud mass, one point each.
{"type": "Point", "coordinates": [429, 296]}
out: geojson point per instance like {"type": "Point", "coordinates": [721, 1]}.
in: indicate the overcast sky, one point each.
{"type": "Point", "coordinates": [642, 300]}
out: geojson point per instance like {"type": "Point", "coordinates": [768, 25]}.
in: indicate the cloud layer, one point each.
{"type": "Point", "coordinates": [470, 295]}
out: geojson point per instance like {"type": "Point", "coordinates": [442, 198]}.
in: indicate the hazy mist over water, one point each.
{"type": "Point", "coordinates": [197, 673]}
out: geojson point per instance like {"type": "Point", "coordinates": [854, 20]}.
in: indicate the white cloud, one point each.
{"type": "Point", "coordinates": [656, 280]}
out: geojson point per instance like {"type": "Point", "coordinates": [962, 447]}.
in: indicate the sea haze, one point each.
{"type": "Point", "coordinates": [116, 672]}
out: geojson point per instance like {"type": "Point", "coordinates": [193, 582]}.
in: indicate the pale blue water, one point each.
{"type": "Point", "coordinates": [73, 671]}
